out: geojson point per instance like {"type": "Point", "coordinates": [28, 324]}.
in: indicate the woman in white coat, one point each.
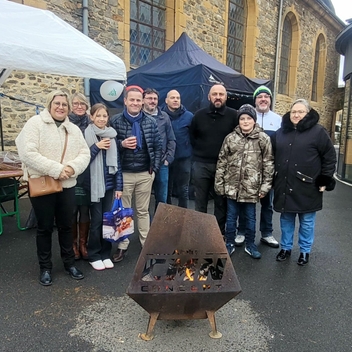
{"type": "Point", "coordinates": [40, 146]}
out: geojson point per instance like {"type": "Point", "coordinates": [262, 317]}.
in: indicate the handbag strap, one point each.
{"type": "Point", "coordinates": [65, 146]}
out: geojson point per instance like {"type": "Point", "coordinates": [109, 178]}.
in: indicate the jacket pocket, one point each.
{"type": "Point", "coordinates": [304, 177]}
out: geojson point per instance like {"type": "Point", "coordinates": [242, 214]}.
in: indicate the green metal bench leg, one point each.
{"type": "Point", "coordinates": [15, 212]}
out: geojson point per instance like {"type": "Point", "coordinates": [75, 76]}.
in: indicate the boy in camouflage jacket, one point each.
{"type": "Point", "coordinates": [244, 174]}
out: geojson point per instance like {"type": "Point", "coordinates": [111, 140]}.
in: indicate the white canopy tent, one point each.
{"type": "Point", "coordinates": [36, 40]}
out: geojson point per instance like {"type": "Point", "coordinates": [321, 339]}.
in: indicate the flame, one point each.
{"type": "Point", "coordinates": [189, 274]}
{"type": "Point", "coordinates": [202, 278]}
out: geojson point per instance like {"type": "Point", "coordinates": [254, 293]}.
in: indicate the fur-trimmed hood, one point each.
{"type": "Point", "coordinates": [310, 120]}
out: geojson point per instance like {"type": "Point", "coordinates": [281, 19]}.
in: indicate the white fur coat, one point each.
{"type": "Point", "coordinates": [40, 145]}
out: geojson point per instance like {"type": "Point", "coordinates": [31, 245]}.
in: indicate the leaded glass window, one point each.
{"type": "Point", "coordinates": [285, 56]}
{"type": "Point", "coordinates": [147, 30]}
{"type": "Point", "coordinates": [235, 37]}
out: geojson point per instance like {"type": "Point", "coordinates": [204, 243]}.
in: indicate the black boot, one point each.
{"type": "Point", "coordinates": [303, 259]}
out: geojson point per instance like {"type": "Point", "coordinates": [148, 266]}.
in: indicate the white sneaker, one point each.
{"type": "Point", "coordinates": [108, 264]}
{"type": "Point", "coordinates": [270, 241]}
{"type": "Point", "coordinates": [97, 265]}
{"type": "Point", "coordinates": [239, 240]}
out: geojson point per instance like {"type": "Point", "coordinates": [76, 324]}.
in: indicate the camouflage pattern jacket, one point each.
{"type": "Point", "coordinates": [245, 166]}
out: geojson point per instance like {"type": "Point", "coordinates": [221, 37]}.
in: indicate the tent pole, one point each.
{"type": "Point", "coordinates": [85, 31]}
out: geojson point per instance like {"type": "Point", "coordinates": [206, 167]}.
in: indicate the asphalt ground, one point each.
{"type": "Point", "coordinates": [282, 306]}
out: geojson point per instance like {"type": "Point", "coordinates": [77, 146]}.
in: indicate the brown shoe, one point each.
{"type": "Point", "coordinates": [119, 255]}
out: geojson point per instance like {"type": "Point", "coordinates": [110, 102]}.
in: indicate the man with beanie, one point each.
{"type": "Point", "coordinates": [180, 169]}
{"type": "Point", "coordinates": [270, 122]}
{"type": "Point", "coordinates": [244, 175]}
{"type": "Point", "coordinates": [209, 127]}
{"type": "Point", "coordinates": [139, 142]}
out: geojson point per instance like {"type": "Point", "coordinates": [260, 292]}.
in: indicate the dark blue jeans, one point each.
{"type": "Point", "coordinates": [98, 248]}
{"type": "Point", "coordinates": [266, 216]}
{"type": "Point", "coordinates": [58, 207]}
{"type": "Point", "coordinates": [234, 208]}
{"type": "Point", "coordinates": [179, 176]}
{"type": "Point", "coordinates": [161, 185]}
{"type": "Point", "coordinates": [203, 178]}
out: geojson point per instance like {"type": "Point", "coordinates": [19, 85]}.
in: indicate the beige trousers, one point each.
{"type": "Point", "coordinates": [140, 185]}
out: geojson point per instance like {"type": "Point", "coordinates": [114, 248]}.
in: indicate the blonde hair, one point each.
{"type": "Point", "coordinates": [81, 98]}
{"type": "Point", "coordinates": [57, 93]}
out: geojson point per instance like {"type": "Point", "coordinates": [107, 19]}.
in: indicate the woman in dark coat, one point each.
{"type": "Point", "coordinates": [305, 161]}
{"type": "Point", "coordinates": [81, 217]}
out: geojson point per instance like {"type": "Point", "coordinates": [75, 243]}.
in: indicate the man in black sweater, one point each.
{"type": "Point", "coordinates": [208, 129]}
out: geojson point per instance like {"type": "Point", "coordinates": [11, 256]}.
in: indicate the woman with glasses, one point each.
{"type": "Point", "coordinates": [49, 144]}
{"type": "Point", "coordinates": [305, 161]}
{"type": "Point", "coordinates": [81, 218]}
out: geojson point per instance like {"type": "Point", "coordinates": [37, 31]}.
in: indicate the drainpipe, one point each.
{"type": "Point", "coordinates": [277, 56]}
{"type": "Point", "coordinates": [85, 31]}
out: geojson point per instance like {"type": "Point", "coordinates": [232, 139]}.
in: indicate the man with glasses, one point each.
{"type": "Point", "coordinates": [270, 122]}
{"type": "Point", "coordinates": [150, 107]}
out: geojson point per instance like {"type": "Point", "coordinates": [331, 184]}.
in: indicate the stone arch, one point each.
{"type": "Point", "coordinates": [291, 14]}
{"type": "Point", "coordinates": [318, 67]}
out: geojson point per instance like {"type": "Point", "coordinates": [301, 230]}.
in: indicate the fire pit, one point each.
{"type": "Point", "coordinates": [183, 271]}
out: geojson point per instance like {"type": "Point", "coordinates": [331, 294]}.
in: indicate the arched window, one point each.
{"type": "Point", "coordinates": [147, 30]}
{"type": "Point", "coordinates": [318, 68]}
{"type": "Point", "coordinates": [235, 37]}
{"type": "Point", "coordinates": [286, 43]}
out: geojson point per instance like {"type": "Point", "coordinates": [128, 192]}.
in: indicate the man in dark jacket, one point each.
{"type": "Point", "coordinates": [180, 170]}
{"type": "Point", "coordinates": [208, 129]}
{"type": "Point", "coordinates": [139, 142]}
{"type": "Point", "coordinates": [150, 108]}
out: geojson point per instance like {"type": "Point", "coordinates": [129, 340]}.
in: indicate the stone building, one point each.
{"type": "Point", "coordinates": [344, 47]}
{"type": "Point", "coordinates": [291, 42]}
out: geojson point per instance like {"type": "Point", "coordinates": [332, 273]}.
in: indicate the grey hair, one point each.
{"type": "Point", "coordinates": [303, 102]}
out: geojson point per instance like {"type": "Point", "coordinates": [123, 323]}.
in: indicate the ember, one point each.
{"type": "Point", "coordinates": [183, 271]}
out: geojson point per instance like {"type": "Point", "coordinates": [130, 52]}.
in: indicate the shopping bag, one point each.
{"type": "Point", "coordinates": [118, 222]}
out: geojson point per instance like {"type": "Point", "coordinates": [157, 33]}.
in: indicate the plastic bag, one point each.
{"type": "Point", "coordinates": [118, 223]}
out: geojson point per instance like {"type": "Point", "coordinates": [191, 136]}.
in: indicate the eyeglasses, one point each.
{"type": "Point", "coordinates": [298, 112]}
{"type": "Point", "coordinates": [75, 104]}
{"type": "Point", "coordinates": [58, 104]}
{"type": "Point", "coordinates": [263, 96]}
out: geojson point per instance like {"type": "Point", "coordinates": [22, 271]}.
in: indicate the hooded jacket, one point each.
{"type": "Point", "coordinates": [245, 166]}
{"type": "Point", "coordinates": [305, 159]}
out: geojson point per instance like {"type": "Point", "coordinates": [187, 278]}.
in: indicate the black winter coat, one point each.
{"type": "Point", "coordinates": [305, 159]}
{"type": "Point", "coordinates": [151, 137]}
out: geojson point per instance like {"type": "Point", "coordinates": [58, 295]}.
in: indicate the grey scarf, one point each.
{"type": "Point", "coordinates": [97, 184]}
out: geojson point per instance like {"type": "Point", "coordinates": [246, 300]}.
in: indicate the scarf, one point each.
{"type": "Point", "coordinates": [136, 127]}
{"type": "Point", "coordinates": [97, 182]}
{"type": "Point", "coordinates": [81, 121]}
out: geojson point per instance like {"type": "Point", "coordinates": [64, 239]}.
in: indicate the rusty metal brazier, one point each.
{"type": "Point", "coordinates": [183, 271]}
